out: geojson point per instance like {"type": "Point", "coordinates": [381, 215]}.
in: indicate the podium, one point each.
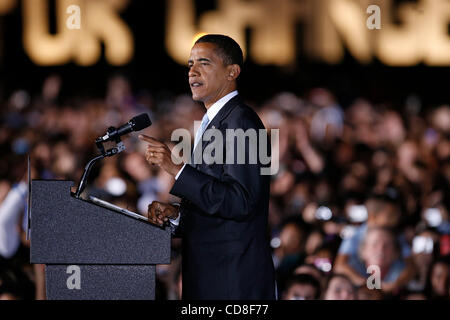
{"type": "Point", "coordinates": [92, 252]}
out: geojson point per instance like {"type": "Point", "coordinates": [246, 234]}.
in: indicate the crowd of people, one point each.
{"type": "Point", "coordinates": [359, 207]}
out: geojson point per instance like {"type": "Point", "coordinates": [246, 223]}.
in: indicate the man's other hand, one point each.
{"type": "Point", "coordinates": [160, 213]}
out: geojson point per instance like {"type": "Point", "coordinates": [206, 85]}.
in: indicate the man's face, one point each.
{"type": "Point", "coordinates": [209, 78]}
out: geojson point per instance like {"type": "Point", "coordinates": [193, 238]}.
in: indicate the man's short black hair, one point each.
{"type": "Point", "coordinates": [228, 49]}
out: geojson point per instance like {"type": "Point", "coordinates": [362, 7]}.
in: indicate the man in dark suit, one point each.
{"type": "Point", "coordinates": [223, 213]}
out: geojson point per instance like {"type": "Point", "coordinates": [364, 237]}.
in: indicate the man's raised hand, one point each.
{"type": "Point", "coordinates": [159, 154]}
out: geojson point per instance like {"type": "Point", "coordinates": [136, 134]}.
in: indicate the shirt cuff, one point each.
{"type": "Point", "coordinates": [179, 172]}
{"type": "Point", "coordinates": [176, 221]}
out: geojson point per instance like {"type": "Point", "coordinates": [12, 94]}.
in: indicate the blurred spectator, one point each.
{"type": "Point", "coordinates": [289, 249]}
{"type": "Point", "coordinates": [439, 281]}
{"type": "Point", "coordinates": [313, 271]}
{"type": "Point", "coordinates": [302, 287]}
{"type": "Point", "coordinates": [11, 210]}
{"type": "Point", "coordinates": [423, 248]}
{"type": "Point", "coordinates": [380, 248]}
{"type": "Point", "coordinates": [382, 212]}
{"type": "Point", "coordinates": [340, 288]}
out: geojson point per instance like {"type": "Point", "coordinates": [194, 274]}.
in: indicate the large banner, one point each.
{"type": "Point", "coordinates": [294, 42]}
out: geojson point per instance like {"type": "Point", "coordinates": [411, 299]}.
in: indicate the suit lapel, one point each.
{"type": "Point", "coordinates": [221, 115]}
{"type": "Point", "coordinates": [224, 112]}
{"type": "Point", "coordinates": [215, 123]}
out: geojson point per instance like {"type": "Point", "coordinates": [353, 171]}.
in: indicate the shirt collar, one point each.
{"type": "Point", "coordinates": [215, 108]}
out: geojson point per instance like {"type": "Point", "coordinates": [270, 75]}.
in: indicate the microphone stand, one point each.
{"type": "Point", "coordinates": [108, 153]}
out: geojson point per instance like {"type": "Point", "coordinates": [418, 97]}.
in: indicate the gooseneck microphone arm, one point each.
{"type": "Point", "coordinates": [108, 153]}
{"type": "Point", "coordinates": [136, 124]}
{"type": "Point", "coordinates": [87, 169]}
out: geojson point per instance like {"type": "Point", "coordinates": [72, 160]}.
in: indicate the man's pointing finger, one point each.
{"type": "Point", "coordinates": [150, 140]}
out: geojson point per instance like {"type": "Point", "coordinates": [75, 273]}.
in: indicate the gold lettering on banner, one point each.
{"type": "Point", "coordinates": [7, 5]}
{"type": "Point", "coordinates": [330, 27]}
{"type": "Point", "coordinates": [342, 22]}
{"type": "Point", "coordinates": [100, 21]}
{"type": "Point", "coordinates": [422, 37]}
{"type": "Point", "coordinates": [271, 22]}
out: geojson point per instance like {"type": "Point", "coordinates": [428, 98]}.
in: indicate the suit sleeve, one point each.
{"type": "Point", "coordinates": [233, 196]}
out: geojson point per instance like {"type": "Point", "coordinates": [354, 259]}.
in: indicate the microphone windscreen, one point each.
{"type": "Point", "coordinates": [140, 122]}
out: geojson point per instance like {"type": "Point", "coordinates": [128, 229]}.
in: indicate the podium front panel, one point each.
{"type": "Point", "coordinates": [100, 282]}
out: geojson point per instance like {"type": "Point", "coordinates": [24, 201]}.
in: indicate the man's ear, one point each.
{"type": "Point", "coordinates": [234, 70]}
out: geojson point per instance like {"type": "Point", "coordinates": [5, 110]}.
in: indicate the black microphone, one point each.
{"type": "Point", "coordinates": [138, 123]}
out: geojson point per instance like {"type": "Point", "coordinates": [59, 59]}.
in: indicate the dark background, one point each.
{"type": "Point", "coordinates": [153, 70]}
